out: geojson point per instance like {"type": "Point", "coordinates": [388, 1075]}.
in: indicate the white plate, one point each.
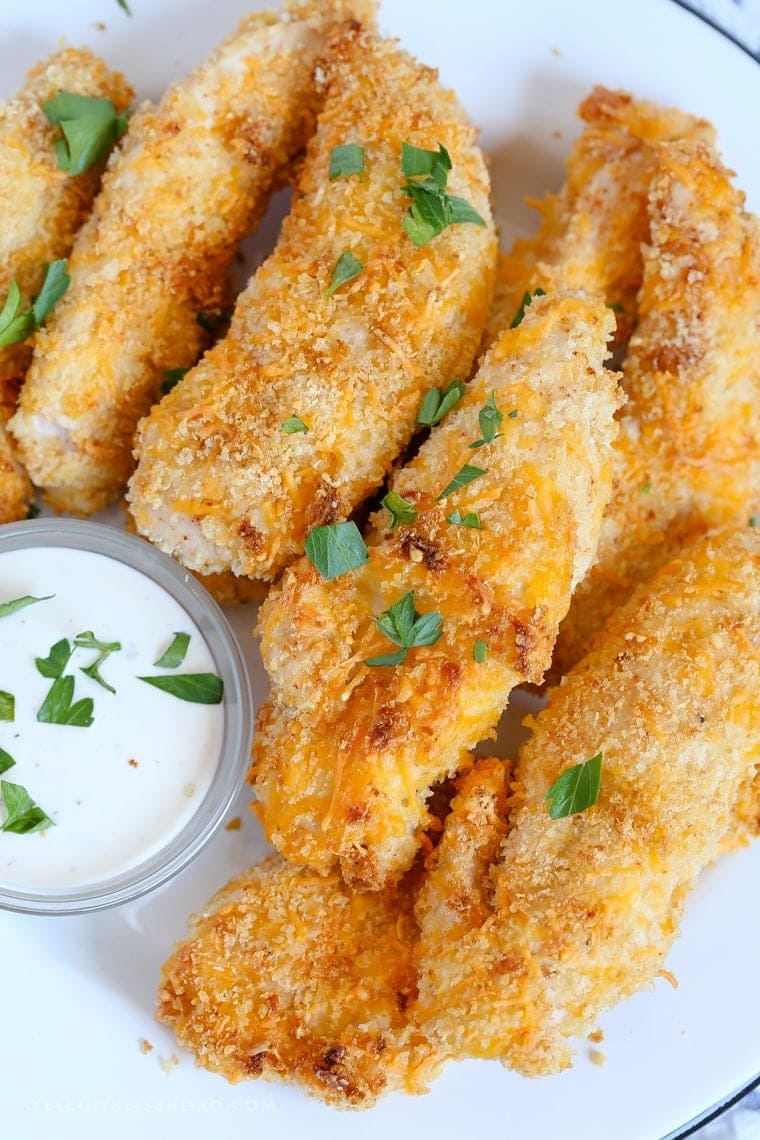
{"type": "Point", "coordinates": [77, 993]}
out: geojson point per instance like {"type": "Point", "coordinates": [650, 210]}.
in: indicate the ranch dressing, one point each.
{"type": "Point", "coordinates": [121, 789]}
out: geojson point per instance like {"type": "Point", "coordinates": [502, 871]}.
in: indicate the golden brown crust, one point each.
{"type": "Point", "coordinates": [345, 754]}
{"type": "Point", "coordinates": [219, 484]}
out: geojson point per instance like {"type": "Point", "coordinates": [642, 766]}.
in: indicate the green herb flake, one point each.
{"type": "Point", "coordinates": [466, 474]}
{"type": "Point", "coordinates": [172, 377]}
{"type": "Point", "coordinates": [336, 549]}
{"type": "Point", "coordinates": [24, 815]}
{"type": "Point", "coordinates": [198, 688]}
{"type": "Point", "coordinates": [124, 6]}
{"type": "Point", "coordinates": [346, 268]}
{"type": "Point", "coordinates": [400, 510]}
{"type": "Point", "coordinates": [490, 420]}
{"type": "Point", "coordinates": [88, 640]}
{"type": "Point", "coordinates": [645, 488]}
{"type": "Point", "coordinates": [576, 789]}
{"type": "Point", "coordinates": [211, 322]}
{"type": "Point", "coordinates": [346, 160]}
{"type": "Point", "coordinates": [15, 325]}
{"type": "Point", "coordinates": [174, 654]}
{"type": "Point", "coordinates": [470, 519]}
{"type": "Point", "coordinates": [57, 708]}
{"type": "Point", "coordinates": [33, 511]}
{"type": "Point", "coordinates": [403, 626]}
{"type": "Point", "coordinates": [513, 414]}
{"type": "Point", "coordinates": [432, 210]}
{"type": "Point", "coordinates": [479, 651]}
{"type": "Point", "coordinates": [436, 403]}
{"type": "Point", "coordinates": [90, 128]}
{"type": "Point", "coordinates": [12, 607]}
{"type": "Point", "coordinates": [6, 761]}
{"type": "Point", "coordinates": [752, 520]}
{"type": "Point", "coordinates": [56, 661]}
{"type": "Point", "coordinates": [526, 301]}
{"type": "Point", "coordinates": [615, 306]}
{"type": "Point", "coordinates": [293, 425]}
{"type": "Point", "coordinates": [7, 706]}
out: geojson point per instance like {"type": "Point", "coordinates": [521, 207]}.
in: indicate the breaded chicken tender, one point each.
{"type": "Point", "coordinates": [221, 484]}
{"type": "Point", "coordinates": [581, 912]}
{"type": "Point", "coordinates": [191, 178]}
{"type": "Point", "coordinates": [591, 232]}
{"type": "Point", "coordinates": [688, 453]}
{"type": "Point", "coordinates": [346, 753]}
{"type": "Point", "coordinates": [42, 208]}
{"type": "Point", "coordinates": [289, 974]}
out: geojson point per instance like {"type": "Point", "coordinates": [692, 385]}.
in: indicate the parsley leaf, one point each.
{"type": "Point", "coordinates": [16, 326]}
{"type": "Point", "coordinates": [432, 210]}
{"type": "Point", "coordinates": [88, 640]}
{"type": "Point", "coordinates": [400, 510]}
{"type": "Point", "coordinates": [293, 424]}
{"type": "Point", "coordinates": [198, 688]}
{"type": "Point", "coordinates": [336, 549]}
{"type": "Point", "coordinates": [479, 651]}
{"type": "Point", "coordinates": [56, 661]}
{"type": "Point", "coordinates": [124, 6]}
{"type": "Point", "coordinates": [90, 128]}
{"type": "Point", "coordinates": [466, 474]}
{"type": "Point", "coordinates": [436, 403]}
{"type": "Point", "coordinates": [527, 300]}
{"type": "Point", "coordinates": [6, 761]}
{"type": "Point", "coordinates": [7, 608]}
{"type": "Point", "coordinates": [172, 377]}
{"type": "Point", "coordinates": [211, 322]}
{"type": "Point", "coordinates": [490, 420]}
{"type": "Point", "coordinates": [753, 520]}
{"type": "Point", "coordinates": [470, 519]}
{"type": "Point", "coordinates": [174, 654]}
{"type": "Point", "coordinates": [345, 269]}
{"type": "Point", "coordinates": [58, 709]}
{"type": "Point", "coordinates": [7, 706]}
{"type": "Point", "coordinates": [24, 815]}
{"type": "Point", "coordinates": [346, 160]}
{"type": "Point", "coordinates": [403, 626]}
{"type": "Point", "coordinates": [576, 789]}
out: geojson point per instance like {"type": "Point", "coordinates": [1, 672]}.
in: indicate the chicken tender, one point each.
{"type": "Point", "coordinates": [289, 974]}
{"type": "Point", "coordinates": [221, 484]}
{"type": "Point", "coordinates": [346, 753]}
{"type": "Point", "coordinates": [582, 911]}
{"type": "Point", "coordinates": [192, 178]}
{"type": "Point", "coordinates": [688, 453]}
{"type": "Point", "coordinates": [591, 232]}
{"type": "Point", "coordinates": [15, 488]}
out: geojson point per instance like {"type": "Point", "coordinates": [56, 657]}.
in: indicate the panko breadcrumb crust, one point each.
{"type": "Point", "coordinates": [219, 484]}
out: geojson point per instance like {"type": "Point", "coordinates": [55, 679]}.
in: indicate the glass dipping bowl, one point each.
{"type": "Point", "coordinates": [237, 732]}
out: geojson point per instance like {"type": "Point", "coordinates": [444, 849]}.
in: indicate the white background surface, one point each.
{"type": "Point", "coordinates": [78, 992]}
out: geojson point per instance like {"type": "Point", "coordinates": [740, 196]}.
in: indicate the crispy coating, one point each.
{"type": "Point", "coordinates": [688, 453]}
{"type": "Point", "coordinates": [345, 754]}
{"type": "Point", "coordinates": [190, 180]}
{"type": "Point", "coordinates": [583, 910]}
{"type": "Point", "coordinates": [289, 974]}
{"type": "Point", "coordinates": [591, 232]}
{"type": "Point", "coordinates": [219, 483]}
{"type": "Point", "coordinates": [15, 488]}
{"type": "Point", "coordinates": [41, 206]}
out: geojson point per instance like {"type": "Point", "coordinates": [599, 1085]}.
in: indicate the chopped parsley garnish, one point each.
{"type": "Point", "coordinates": [402, 625]}
{"type": "Point", "coordinates": [645, 488]}
{"type": "Point", "coordinates": [57, 708]}
{"type": "Point", "coordinates": [293, 424]}
{"type": "Point", "coordinates": [470, 519]}
{"type": "Point", "coordinates": [466, 474]}
{"type": "Point", "coordinates": [172, 377]}
{"type": "Point", "coordinates": [336, 549]}
{"type": "Point", "coordinates": [490, 420]}
{"type": "Point", "coordinates": [6, 761]}
{"type": "Point", "coordinates": [33, 511]}
{"type": "Point", "coordinates": [346, 160]}
{"type": "Point", "coordinates": [345, 269]}
{"type": "Point", "coordinates": [211, 321]}
{"type": "Point", "coordinates": [16, 325]}
{"type": "Point", "coordinates": [174, 654]}
{"type": "Point", "coordinates": [615, 306]}
{"type": "Point", "coordinates": [576, 789]}
{"type": "Point", "coordinates": [7, 608]}
{"type": "Point", "coordinates": [479, 651]}
{"type": "Point", "coordinates": [513, 414]}
{"type": "Point", "coordinates": [527, 300]}
{"type": "Point", "coordinates": [88, 640]}
{"type": "Point", "coordinates": [432, 209]}
{"type": "Point", "coordinates": [24, 815]}
{"type": "Point", "coordinates": [56, 661]}
{"type": "Point", "coordinates": [198, 688]}
{"type": "Point", "coordinates": [90, 128]}
{"type": "Point", "coordinates": [752, 520]}
{"type": "Point", "coordinates": [7, 706]}
{"type": "Point", "coordinates": [436, 403]}
{"type": "Point", "coordinates": [400, 510]}
{"type": "Point", "coordinates": [124, 6]}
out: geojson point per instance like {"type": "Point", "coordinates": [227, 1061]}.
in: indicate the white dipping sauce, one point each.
{"type": "Point", "coordinates": [121, 789]}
